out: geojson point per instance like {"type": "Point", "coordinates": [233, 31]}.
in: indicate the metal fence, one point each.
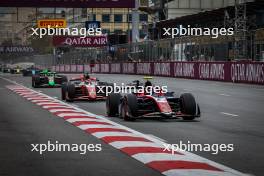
{"type": "Point", "coordinates": [45, 60]}
{"type": "Point", "coordinates": [202, 48]}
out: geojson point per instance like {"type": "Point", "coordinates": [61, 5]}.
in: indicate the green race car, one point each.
{"type": "Point", "coordinates": [46, 78]}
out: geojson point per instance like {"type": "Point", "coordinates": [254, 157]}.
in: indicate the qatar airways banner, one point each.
{"type": "Point", "coordinates": [247, 72]}
{"type": "Point", "coordinates": [237, 72]}
{"type": "Point", "coordinates": [91, 41]}
{"type": "Point", "coordinates": [105, 68]}
{"type": "Point", "coordinates": [69, 3]}
{"type": "Point", "coordinates": [61, 68]}
{"type": "Point", "coordinates": [115, 68]}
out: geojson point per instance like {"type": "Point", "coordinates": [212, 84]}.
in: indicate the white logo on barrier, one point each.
{"type": "Point", "coordinates": [128, 68]}
{"type": "Point", "coordinates": [184, 70]}
{"type": "Point", "coordinates": [162, 69]}
{"type": "Point", "coordinates": [143, 68]}
{"type": "Point", "coordinates": [115, 68]}
{"type": "Point", "coordinates": [247, 72]}
{"type": "Point", "coordinates": [211, 71]}
{"type": "Point", "coordinates": [105, 68]}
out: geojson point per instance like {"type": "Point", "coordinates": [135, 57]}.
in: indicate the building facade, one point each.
{"type": "Point", "coordinates": [179, 8]}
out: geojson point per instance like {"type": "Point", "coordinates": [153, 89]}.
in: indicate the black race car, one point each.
{"type": "Point", "coordinates": [166, 105]}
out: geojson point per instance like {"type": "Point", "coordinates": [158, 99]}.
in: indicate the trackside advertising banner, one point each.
{"type": "Point", "coordinates": [238, 72]}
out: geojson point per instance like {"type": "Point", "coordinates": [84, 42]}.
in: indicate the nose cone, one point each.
{"type": "Point", "coordinates": [92, 92]}
{"type": "Point", "coordinates": [52, 83]}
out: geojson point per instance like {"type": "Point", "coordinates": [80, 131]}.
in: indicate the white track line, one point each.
{"type": "Point", "coordinates": [104, 134]}
{"type": "Point", "coordinates": [229, 114]}
{"type": "Point", "coordinates": [226, 95]}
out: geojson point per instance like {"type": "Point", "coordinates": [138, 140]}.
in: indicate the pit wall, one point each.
{"type": "Point", "coordinates": [237, 72]}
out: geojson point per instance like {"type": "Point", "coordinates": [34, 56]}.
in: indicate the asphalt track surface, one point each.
{"type": "Point", "coordinates": [231, 114]}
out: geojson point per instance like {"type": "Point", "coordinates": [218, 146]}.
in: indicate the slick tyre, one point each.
{"type": "Point", "coordinates": [64, 79]}
{"type": "Point", "coordinates": [129, 107]}
{"type": "Point", "coordinates": [112, 104]}
{"type": "Point", "coordinates": [188, 105]}
{"type": "Point", "coordinates": [70, 93]}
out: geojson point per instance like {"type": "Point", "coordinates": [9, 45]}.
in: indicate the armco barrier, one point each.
{"type": "Point", "coordinates": [237, 72]}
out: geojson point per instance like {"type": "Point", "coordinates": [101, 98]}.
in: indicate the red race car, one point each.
{"type": "Point", "coordinates": [135, 105]}
{"type": "Point", "coordinates": [83, 88]}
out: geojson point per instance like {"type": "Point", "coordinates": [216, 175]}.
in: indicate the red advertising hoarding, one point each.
{"type": "Point", "coordinates": [69, 4]}
{"type": "Point", "coordinates": [237, 72]}
{"type": "Point", "coordinates": [74, 41]}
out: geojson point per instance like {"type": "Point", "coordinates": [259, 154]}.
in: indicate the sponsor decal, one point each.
{"type": "Point", "coordinates": [211, 71]}
{"type": "Point", "coordinates": [105, 68]}
{"type": "Point", "coordinates": [128, 68]}
{"type": "Point", "coordinates": [184, 70]}
{"type": "Point", "coordinates": [67, 68]}
{"type": "Point", "coordinates": [16, 49]}
{"type": "Point", "coordinates": [52, 23]}
{"type": "Point", "coordinates": [115, 68]}
{"type": "Point", "coordinates": [96, 68]}
{"type": "Point", "coordinates": [73, 68]}
{"type": "Point", "coordinates": [162, 69]}
{"type": "Point", "coordinates": [143, 68]}
{"type": "Point", "coordinates": [87, 68]}
{"type": "Point", "coordinates": [80, 68]}
{"type": "Point", "coordinates": [61, 68]}
{"type": "Point", "coordinates": [247, 72]}
{"type": "Point", "coordinates": [91, 41]}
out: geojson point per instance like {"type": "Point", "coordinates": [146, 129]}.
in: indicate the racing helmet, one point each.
{"type": "Point", "coordinates": [86, 75]}
{"type": "Point", "coordinates": [148, 83]}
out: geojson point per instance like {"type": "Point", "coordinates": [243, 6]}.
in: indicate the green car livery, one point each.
{"type": "Point", "coordinates": [46, 78]}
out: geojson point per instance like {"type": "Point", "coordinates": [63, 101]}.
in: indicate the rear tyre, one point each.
{"type": "Point", "coordinates": [129, 107]}
{"type": "Point", "coordinates": [112, 104]}
{"type": "Point", "coordinates": [188, 105]}
{"type": "Point", "coordinates": [63, 79]}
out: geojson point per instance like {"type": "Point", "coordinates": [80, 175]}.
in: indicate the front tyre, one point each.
{"type": "Point", "coordinates": [188, 106]}
{"type": "Point", "coordinates": [129, 107]}
{"type": "Point", "coordinates": [112, 104]}
{"type": "Point", "coordinates": [70, 93]}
